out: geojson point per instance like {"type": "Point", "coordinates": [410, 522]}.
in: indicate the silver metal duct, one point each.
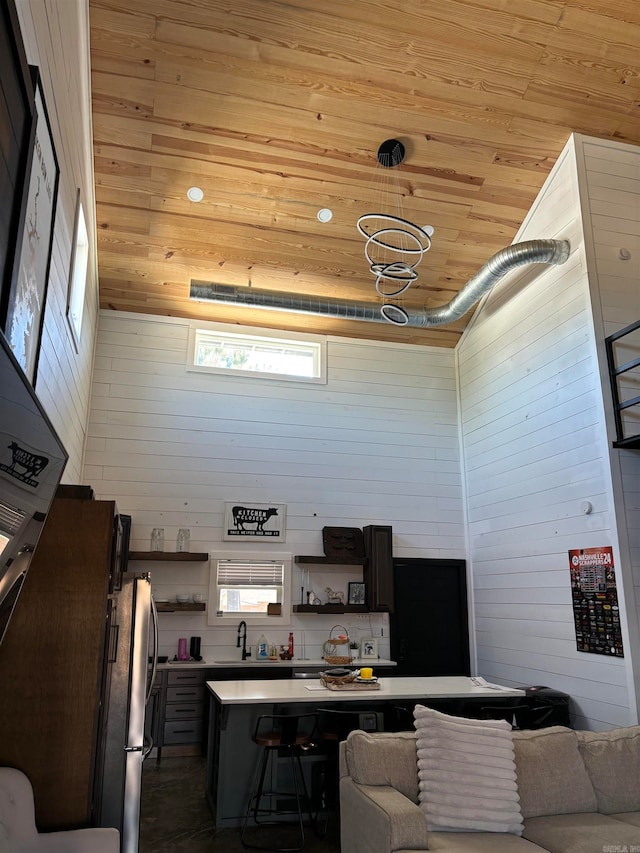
{"type": "Point", "coordinates": [519, 254]}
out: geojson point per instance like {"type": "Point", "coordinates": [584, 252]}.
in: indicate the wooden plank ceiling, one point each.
{"type": "Point", "coordinates": [277, 109]}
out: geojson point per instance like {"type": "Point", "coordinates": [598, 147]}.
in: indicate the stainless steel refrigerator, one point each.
{"type": "Point", "coordinates": [134, 644]}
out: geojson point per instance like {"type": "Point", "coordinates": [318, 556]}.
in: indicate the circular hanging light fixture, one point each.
{"type": "Point", "coordinates": [394, 246]}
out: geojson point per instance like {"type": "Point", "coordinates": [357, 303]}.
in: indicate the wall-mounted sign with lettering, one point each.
{"type": "Point", "coordinates": [254, 521]}
{"type": "Point", "coordinates": [595, 601]}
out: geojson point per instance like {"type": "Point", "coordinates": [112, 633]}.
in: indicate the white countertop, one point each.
{"type": "Point", "coordinates": [296, 663]}
{"type": "Point", "coordinates": [266, 691]}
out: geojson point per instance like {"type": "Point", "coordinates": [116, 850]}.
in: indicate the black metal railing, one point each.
{"type": "Point", "coordinates": [615, 372]}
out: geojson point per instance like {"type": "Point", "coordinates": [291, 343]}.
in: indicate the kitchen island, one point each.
{"type": "Point", "coordinates": [236, 705]}
{"type": "Point", "coordinates": [177, 710]}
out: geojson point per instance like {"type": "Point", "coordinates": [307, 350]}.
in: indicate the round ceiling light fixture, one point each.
{"type": "Point", "coordinates": [195, 194]}
{"type": "Point", "coordinates": [325, 215]}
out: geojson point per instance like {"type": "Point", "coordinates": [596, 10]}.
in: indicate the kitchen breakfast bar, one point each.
{"type": "Point", "coordinates": [235, 707]}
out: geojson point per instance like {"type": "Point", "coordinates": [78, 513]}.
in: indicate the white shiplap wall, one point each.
{"type": "Point", "coordinates": [534, 450]}
{"type": "Point", "coordinates": [56, 40]}
{"type": "Point", "coordinates": [378, 444]}
{"type": "Point", "coordinates": [610, 181]}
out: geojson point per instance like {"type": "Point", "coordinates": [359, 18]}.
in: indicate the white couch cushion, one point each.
{"type": "Point", "coordinates": [466, 773]}
{"type": "Point", "coordinates": [552, 778]}
{"type": "Point", "coordinates": [612, 760]}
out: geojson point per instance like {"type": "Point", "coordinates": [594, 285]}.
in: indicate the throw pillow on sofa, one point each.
{"type": "Point", "coordinates": [612, 760]}
{"type": "Point", "coordinates": [552, 778]}
{"type": "Point", "coordinates": [466, 772]}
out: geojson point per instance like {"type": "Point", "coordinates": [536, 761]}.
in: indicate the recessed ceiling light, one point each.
{"type": "Point", "coordinates": [428, 229]}
{"type": "Point", "coordinates": [195, 194]}
{"type": "Point", "coordinates": [325, 215]}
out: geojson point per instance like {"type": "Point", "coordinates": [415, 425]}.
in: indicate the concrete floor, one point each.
{"type": "Point", "coordinates": [175, 817]}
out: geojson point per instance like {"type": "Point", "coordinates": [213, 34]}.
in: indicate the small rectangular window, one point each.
{"type": "Point", "coordinates": [242, 586]}
{"type": "Point", "coordinates": [256, 352]}
{"type": "Point", "coordinates": [78, 274]}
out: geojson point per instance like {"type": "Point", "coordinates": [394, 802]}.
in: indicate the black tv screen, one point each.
{"type": "Point", "coordinates": [32, 459]}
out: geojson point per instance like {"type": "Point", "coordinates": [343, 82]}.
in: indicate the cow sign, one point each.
{"type": "Point", "coordinates": [253, 520]}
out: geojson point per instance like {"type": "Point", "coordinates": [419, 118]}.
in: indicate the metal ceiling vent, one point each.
{"type": "Point", "coordinates": [519, 254]}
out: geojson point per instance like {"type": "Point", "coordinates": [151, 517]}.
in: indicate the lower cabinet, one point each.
{"type": "Point", "coordinates": [184, 707]}
{"type": "Point", "coordinates": [176, 710]}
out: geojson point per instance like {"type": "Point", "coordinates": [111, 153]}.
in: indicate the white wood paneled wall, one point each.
{"type": "Point", "coordinates": [535, 449]}
{"type": "Point", "coordinates": [56, 40]}
{"type": "Point", "coordinates": [610, 183]}
{"type": "Point", "coordinates": [378, 444]}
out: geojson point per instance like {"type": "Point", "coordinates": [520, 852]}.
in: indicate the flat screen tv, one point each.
{"type": "Point", "coordinates": [32, 459]}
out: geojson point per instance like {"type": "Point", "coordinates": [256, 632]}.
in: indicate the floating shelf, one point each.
{"type": "Point", "coordinates": [170, 556]}
{"type": "Point", "coordinates": [333, 561]}
{"type": "Point", "coordinates": [171, 606]}
{"type": "Point", "coordinates": [331, 608]}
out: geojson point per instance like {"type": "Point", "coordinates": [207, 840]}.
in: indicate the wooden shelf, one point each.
{"type": "Point", "coordinates": [174, 606]}
{"type": "Point", "coordinates": [333, 561]}
{"type": "Point", "coordinates": [170, 556]}
{"type": "Point", "coordinates": [330, 608]}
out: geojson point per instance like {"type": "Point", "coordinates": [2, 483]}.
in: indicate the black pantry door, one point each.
{"type": "Point", "coordinates": [429, 625]}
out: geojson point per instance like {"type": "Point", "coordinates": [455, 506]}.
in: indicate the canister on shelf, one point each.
{"type": "Point", "coordinates": [183, 540]}
{"type": "Point", "coordinates": [157, 539]}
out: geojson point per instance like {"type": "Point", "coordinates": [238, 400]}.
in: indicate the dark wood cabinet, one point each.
{"type": "Point", "coordinates": [54, 664]}
{"type": "Point", "coordinates": [378, 569]}
{"type": "Point", "coordinates": [377, 572]}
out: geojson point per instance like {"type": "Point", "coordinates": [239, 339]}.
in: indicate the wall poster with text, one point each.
{"type": "Point", "coordinates": [595, 601]}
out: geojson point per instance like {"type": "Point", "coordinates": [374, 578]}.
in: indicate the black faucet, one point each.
{"type": "Point", "coordinates": [242, 635]}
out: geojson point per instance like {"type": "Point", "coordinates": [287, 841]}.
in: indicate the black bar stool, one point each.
{"type": "Point", "coordinates": [294, 736]}
{"type": "Point", "coordinates": [334, 725]}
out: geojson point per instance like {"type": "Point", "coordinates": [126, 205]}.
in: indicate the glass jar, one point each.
{"type": "Point", "coordinates": [157, 539]}
{"type": "Point", "coordinates": [183, 540]}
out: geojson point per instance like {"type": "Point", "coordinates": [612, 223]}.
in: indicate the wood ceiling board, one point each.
{"type": "Point", "coordinates": [278, 109]}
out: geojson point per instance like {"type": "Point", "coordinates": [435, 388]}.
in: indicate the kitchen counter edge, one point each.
{"type": "Point", "coordinates": [285, 664]}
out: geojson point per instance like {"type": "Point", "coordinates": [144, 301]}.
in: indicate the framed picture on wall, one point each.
{"type": "Point", "coordinates": [27, 297]}
{"type": "Point", "coordinates": [17, 134]}
{"type": "Point", "coordinates": [357, 591]}
{"type": "Point", "coordinates": [254, 521]}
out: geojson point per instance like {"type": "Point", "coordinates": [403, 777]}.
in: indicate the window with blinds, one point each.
{"type": "Point", "coordinates": [246, 586]}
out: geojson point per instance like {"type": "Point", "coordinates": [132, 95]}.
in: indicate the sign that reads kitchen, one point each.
{"type": "Point", "coordinates": [595, 601]}
{"type": "Point", "coordinates": [256, 521]}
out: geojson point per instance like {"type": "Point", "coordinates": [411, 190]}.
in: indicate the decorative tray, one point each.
{"type": "Point", "coordinates": [353, 685]}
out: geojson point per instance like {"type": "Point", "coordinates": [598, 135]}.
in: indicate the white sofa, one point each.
{"type": "Point", "coordinates": [579, 793]}
{"type": "Point", "coordinates": [18, 833]}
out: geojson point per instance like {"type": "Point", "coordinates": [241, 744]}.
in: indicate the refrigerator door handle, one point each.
{"type": "Point", "coordinates": [148, 746]}
{"type": "Point", "coordinates": [154, 670]}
